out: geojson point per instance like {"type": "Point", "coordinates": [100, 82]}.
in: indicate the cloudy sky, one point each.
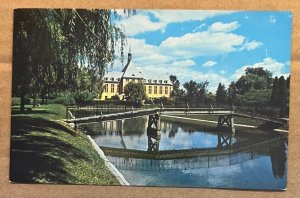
{"type": "Point", "coordinates": [207, 45]}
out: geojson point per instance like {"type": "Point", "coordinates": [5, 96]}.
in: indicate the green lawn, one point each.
{"type": "Point", "coordinates": [46, 150]}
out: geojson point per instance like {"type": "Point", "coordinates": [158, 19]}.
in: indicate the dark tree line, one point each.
{"type": "Point", "coordinates": [57, 50]}
{"type": "Point", "coordinates": [280, 89]}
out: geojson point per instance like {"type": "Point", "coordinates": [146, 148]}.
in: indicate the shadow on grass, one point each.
{"type": "Point", "coordinates": [40, 158]}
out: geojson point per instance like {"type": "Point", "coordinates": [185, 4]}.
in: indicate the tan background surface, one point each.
{"type": "Point", "coordinates": [22, 190]}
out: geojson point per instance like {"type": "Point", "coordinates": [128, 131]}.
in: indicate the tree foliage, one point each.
{"type": "Point", "coordinates": [54, 47]}
{"type": "Point", "coordinates": [275, 93]}
{"type": "Point", "coordinates": [221, 95]}
{"type": "Point", "coordinates": [282, 94]}
{"type": "Point", "coordinates": [175, 82]}
{"type": "Point", "coordinates": [134, 92]}
{"type": "Point", "coordinates": [196, 92]}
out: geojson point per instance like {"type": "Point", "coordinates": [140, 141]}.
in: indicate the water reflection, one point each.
{"type": "Point", "coordinates": [184, 155]}
{"type": "Point", "coordinates": [278, 157]}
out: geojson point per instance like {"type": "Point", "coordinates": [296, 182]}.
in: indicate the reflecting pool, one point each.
{"type": "Point", "coordinates": [186, 156]}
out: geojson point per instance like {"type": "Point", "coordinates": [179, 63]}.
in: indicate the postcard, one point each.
{"type": "Point", "coordinates": [168, 98]}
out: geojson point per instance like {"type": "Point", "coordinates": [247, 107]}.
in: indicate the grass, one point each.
{"type": "Point", "coordinates": [46, 150]}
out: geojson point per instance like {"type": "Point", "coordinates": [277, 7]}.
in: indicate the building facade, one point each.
{"type": "Point", "coordinates": [114, 83]}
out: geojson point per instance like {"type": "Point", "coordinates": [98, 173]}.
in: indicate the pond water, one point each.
{"type": "Point", "coordinates": [186, 156]}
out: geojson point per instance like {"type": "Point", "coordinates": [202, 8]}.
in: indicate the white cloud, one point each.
{"type": "Point", "coordinates": [251, 45]}
{"type": "Point", "coordinates": [184, 74]}
{"type": "Point", "coordinates": [224, 27]}
{"type": "Point", "coordinates": [272, 65]}
{"type": "Point", "coordinates": [140, 23]}
{"type": "Point", "coordinates": [178, 16]}
{"type": "Point", "coordinates": [209, 64]}
{"type": "Point", "coordinates": [222, 71]}
{"type": "Point", "coordinates": [202, 43]}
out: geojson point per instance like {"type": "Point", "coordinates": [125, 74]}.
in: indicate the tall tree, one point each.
{"type": "Point", "coordinates": [175, 82]}
{"type": "Point", "coordinates": [282, 95]}
{"type": "Point", "coordinates": [221, 95]}
{"type": "Point", "coordinates": [275, 93]}
{"type": "Point", "coordinates": [231, 93]}
{"type": "Point", "coordinates": [191, 89]}
{"type": "Point", "coordinates": [202, 91]}
{"type": "Point", "coordinates": [49, 46]}
{"type": "Point", "coordinates": [288, 82]}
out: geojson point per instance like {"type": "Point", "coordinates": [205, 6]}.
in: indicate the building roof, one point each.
{"type": "Point", "coordinates": [130, 70]}
{"type": "Point", "coordinates": [113, 76]}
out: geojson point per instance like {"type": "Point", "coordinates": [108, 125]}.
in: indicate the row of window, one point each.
{"type": "Point", "coordinates": [155, 90]}
{"type": "Point", "coordinates": [112, 79]}
{"type": "Point", "coordinates": [127, 80]}
{"type": "Point", "coordinates": [112, 88]}
{"type": "Point", "coordinates": [155, 81]}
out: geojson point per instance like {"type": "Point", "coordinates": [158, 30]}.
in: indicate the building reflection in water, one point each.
{"type": "Point", "coordinates": [138, 126]}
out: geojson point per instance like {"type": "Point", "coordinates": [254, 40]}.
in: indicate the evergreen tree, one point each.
{"type": "Point", "coordinates": [282, 92]}
{"type": "Point", "coordinates": [288, 82]}
{"type": "Point", "coordinates": [221, 95]}
{"type": "Point", "coordinates": [275, 93]}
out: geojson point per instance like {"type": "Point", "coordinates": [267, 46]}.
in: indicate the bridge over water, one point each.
{"type": "Point", "coordinates": [225, 116]}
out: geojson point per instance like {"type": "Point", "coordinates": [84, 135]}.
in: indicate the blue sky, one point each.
{"type": "Point", "coordinates": [207, 45]}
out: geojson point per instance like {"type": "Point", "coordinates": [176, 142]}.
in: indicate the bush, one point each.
{"type": "Point", "coordinates": [84, 97]}
{"type": "Point", "coordinates": [64, 98]}
{"type": "Point", "coordinates": [67, 101]}
{"type": "Point", "coordinates": [15, 101]}
{"type": "Point", "coordinates": [115, 97]}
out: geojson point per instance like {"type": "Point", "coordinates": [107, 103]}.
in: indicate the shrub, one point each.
{"type": "Point", "coordinates": [64, 101]}
{"type": "Point", "coordinates": [115, 97]}
{"type": "Point", "coordinates": [64, 98]}
{"type": "Point", "coordinates": [84, 97]}
{"type": "Point", "coordinates": [15, 101]}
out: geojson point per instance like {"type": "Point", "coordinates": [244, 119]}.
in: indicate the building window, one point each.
{"type": "Point", "coordinates": [112, 89]}
{"type": "Point", "coordinates": [166, 90]}
{"type": "Point", "coordinates": [105, 87]}
{"type": "Point", "coordinates": [112, 79]}
{"type": "Point", "coordinates": [118, 89]}
{"type": "Point", "coordinates": [150, 89]}
{"type": "Point", "coordinates": [133, 80]}
{"type": "Point", "coordinates": [155, 81]}
{"type": "Point", "coordinates": [149, 81]}
{"type": "Point", "coordinates": [160, 81]}
{"type": "Point", "coordinates": [127, 80]}
{"type": "Point", "coordinates": [105, 78]}
{"type": "Point", "coordinates": [166, 81]}
{"type": "Point", "coordinates": [144, 80]}
{"type": "Point", "coordinates": [118, 79]}
{"type": "Point", "coordinates": [155, 89]}
{"type": "Point", "coordinates": [160, 89]}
